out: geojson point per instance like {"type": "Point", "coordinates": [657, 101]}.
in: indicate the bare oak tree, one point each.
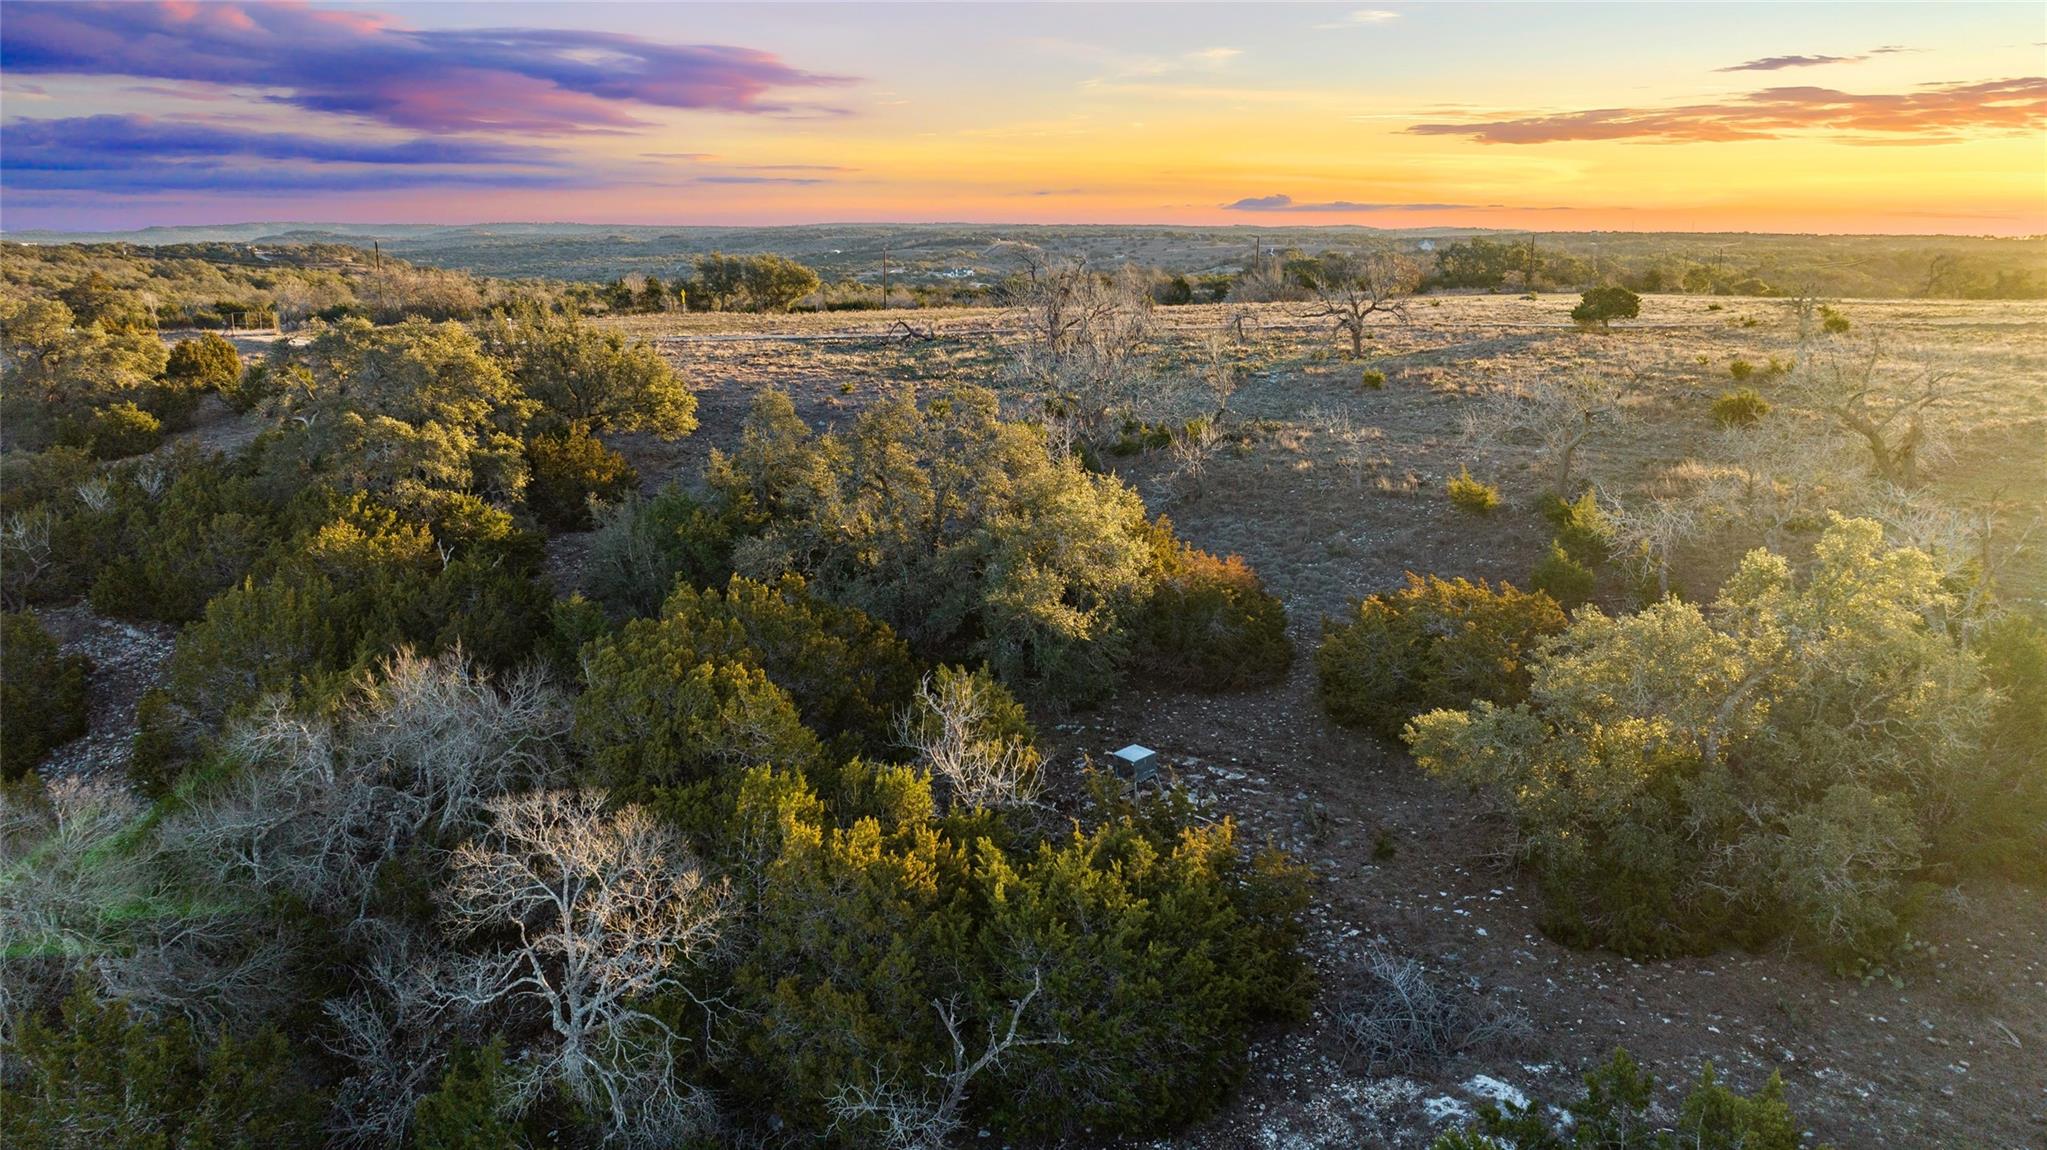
{"type": "Point", "coordinates": [322, 804]}
{"type": "Point", "coordinates": [1352, 287]}
{"type": "Point", "coordinates": [1084, 336]}
{"type": "Point", "coordinates": [1897, 406]}
{"type": "Point", "coordinates": [604, 909]}
{"type": "Point", "coordinates": [1559, 415]}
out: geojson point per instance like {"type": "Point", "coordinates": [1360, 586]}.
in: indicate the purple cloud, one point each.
{"type": "Point", "coordinates": [1281, 203]}
{"type": "Point", "coordinates": [1773, 63]}
{"type": "Point", "coordinates": [138, 154]}
{"type": "Point", "coordinates": [530, 80]}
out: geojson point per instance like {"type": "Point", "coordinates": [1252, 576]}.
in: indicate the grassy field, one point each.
{"type": "Point", "coordinates": [1332, 491]}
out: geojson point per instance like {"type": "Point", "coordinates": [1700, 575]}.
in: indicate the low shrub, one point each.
{"type": "Point", "coordinates": [644, 546]}
{"type": "Point", "coordinates": [1833, 322]}
{"type": "Point", "coordinates": [570, 469]}
{"type": "Point", "coordinates": [1373, 379]}
{"type": "Point", "coordinates": [1618, 1112]}
{"type": "Point", "coordinates": [1434, 643]}
{"type": "Point", "coordinates": [208, 363]}
{"type": "Point", "coordinates": [42, 694]}
{"type": "Point", "coordinates": [1743, 407]}
{"type": "Point", "coordinates": [1402, 1018]}
{"type": "Point", "coordinates": [1562, 577]}
{"type": "Point", "coordinates": [120, 430]}
{"type": "Point", "coordinates": [1472, 495]}
{"type": "Point", "coordinates": [1603, 305]}
{"type": "Point", "coordinates": [1209, 622]}
{"type": "Point", "coordinates": [848, 674]}
{"type": "Point", "coordinates": [2007, 805]}
{"type": "Point", "coordinates": [1583, 527]}
{"type": "Point", "coordinates": [1741, 369]}
{"type": "Point", "coordinates": [105, 1074]}
{"type": "Point", "coordinates": [657, 716]}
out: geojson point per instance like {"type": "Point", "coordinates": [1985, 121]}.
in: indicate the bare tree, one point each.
{"type": "Point", "coordinates": [1352, 287]}
{"type": "Point", "coordinates": [1221, 362]}
{"type": "Point", "coordinates": [86, 888]}
{"type": "Point", "coordinates": [24, 554]}
{"type": "Point", "coordinates": [1559, 415]}
{"type": "Point", "coordinates": [607, 907]}
{"type": "Point", "coordinates": [1898, 407]}
{"type": "Point", "coordinates": [946, 726]}
{"type": "Point", "coordinates": [907, 1118]}
{"type": "Point", "coordinates": [1085, 333]}
{"type": "Point", "coordinates": [395, 1033]}
{"type": "Point", "coordinates": [321, 803]}
{"type": "Point", "coordinates": [1648, 534]}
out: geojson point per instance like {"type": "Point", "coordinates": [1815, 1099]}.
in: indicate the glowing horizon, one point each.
{"type": "Point", "coordinates": [1877, 118]}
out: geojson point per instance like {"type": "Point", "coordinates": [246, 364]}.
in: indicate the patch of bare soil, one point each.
{"type": "Point", "coordinates": [127, 660]}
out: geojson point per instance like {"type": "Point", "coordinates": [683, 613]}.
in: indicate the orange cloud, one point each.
{"type": "Point", "coordinates": [1939, 113]}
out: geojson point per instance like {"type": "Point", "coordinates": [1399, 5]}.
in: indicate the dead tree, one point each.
{"type": "Point", "coordinates": [1898, 408]}
{"type": "Point", "coordinates": [947, 728]}
{"type": "Point", "coordinates": [606, 909]}
{"type": "Point", "coordinates": [1084, 339]}
{"type": "Point", "coordinates": [1560, 415]}
{"type": "Point", "coordinates": [1352, 287]}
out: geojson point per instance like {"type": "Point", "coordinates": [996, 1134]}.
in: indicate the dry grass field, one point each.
{"type": "Point", "coordinates": [1332, 491]}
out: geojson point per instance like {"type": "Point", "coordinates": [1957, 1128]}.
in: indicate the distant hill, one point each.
{"type": "Point", "coordinates": [954, 252]}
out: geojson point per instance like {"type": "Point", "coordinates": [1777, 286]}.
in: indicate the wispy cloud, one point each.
{"type": "Point", "coordinates": [139, 154]}
{"type": "Point", "coordinates": [1362, 18]}
{"type": "Point", "coordinates": [1283, 203]}
{"type": "Point", "coordinates": [358, 64]}
{"type": "Point", "coordinates": [1936, 113]}
{"type": "Point", "coordinates": [1775, 63]}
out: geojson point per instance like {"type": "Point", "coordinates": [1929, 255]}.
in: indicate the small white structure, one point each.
{"type": "Point", "coordinates": [1137, 764]}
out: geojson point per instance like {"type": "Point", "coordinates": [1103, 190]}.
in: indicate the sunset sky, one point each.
{"type": "Point", "coordinates": [1778, 117]}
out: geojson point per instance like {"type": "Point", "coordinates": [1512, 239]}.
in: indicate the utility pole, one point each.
{"type": "Point", "coordinates": [884, 275]}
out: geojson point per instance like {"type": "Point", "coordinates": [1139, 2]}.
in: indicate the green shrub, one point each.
{"type": "Point", "coordinates": [1209, 622]}
{"type": "Point", "coordinates": [162, 746]}
{"type": "Point", "coordinates": [1741, 369]}
{"type": "Point", "coordinates": [103, 1075]}
{"type": "Point", "coordinates": [172, 553]}
{"type": "Point", "coordinates": [1603, 305]}
{"type": "Point", "coordinates": [848, 674]}
{"type": "Point", "coordinates": [1615, 1113]}
{"type": "Point", "coordinates": [1434, 643]}
{"type": "Point", "coordinates": [257, 383]}
{"type": "Point", "coordinates": [569, 470]}
{"type": "Point", "coordinates": [468, 1111]}
{"type": "Point", "coordinates": [1833, 322]}
{"type": "Point", "coordinates": [1684, 779]}
{"type": "Point", "coordinates": [954, 526]}
{"type": "Point", "coordinates": [644, 546]}
{"type": "Point", "coordinates": [1471, 495]}
{"type": "Point", "coordinates": [120, 430]}
{"type": "Point", "coordinates": [1562, 577]}
{"type": "Point", "coordinates": [1150, 948]}
{"type": "Point", "coordinates": [657, 716]}
{"type": "Point", "coordinates": [2006, 806]}
{"type": "Point", "coordinates": [1743, 407]}
{"type": "Point", "coordinates": [1373, 379]}
{"type": "Point", "coordinates": [1583, 527]}
{"type": "Point", "coordinates": [43, 697]}
{"type": "Point", "coordinates": [208, 363]}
